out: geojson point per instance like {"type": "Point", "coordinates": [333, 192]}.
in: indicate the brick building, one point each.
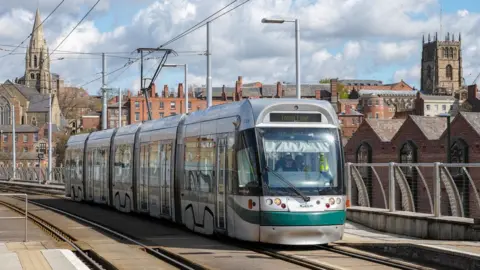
{"type": "Point", "coordinates": [418, 139]}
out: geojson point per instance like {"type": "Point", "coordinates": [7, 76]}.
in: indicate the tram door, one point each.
{"type": "Point", "coordinates": [143, 181]}
{"type": "Point", "coordinates": [166, 179]}
{"type": "Point", "coordinates": [221, 176]}
{"type": "Point", "coordinates": [92, 169]}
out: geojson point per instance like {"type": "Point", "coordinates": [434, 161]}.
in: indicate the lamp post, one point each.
{"type": "Point", "coordinates": [446, 115]}
{"type": "Point", "coordinates": [297, 49]}
{"type": "Point", "coordinates": [185, 69]}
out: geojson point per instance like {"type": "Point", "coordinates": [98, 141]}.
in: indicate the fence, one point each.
{"type": "Point", "coordinates": [436, 189]}
{"type": "Point", "coordinates": [26, 212]}
{"type": "Point", "coordinates": [33, 175]}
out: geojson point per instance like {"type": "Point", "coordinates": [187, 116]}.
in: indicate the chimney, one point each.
{"type": "Point", "coordinates": [318, 94]}
{"type": "Point", "coordinates": [129, 94]}
{"type": "Point", "coordinates": [279, 90]}
{"type": "Point", "coordinates": [153, 91]}
{"type": "Point", "coordinates": [165, 91]}
{"type": "Point", "coordinates": [224, 95]}
{"type": "Point", "coordinates": [472, 92]}
{"type": "Point", "coordinates": [240, 79]}
{"type": "Point", "coordinates": [238, 89]}
{"type": "Point", "coordinates": [180, 91]}
{"type": "Point", "coordinates": [333, 90]}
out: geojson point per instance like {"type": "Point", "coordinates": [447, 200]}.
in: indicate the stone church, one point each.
{"type": "Point", "coordinates": [29, 97]}
{"type": "Point", "coordinates": [442, 71]}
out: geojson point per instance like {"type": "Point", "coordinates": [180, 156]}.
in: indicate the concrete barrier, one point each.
{"type": "Point", "coordinates": [415, 224]}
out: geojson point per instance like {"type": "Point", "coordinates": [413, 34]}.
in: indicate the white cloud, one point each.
{"type": "Point", "coordinates": [338, 38]}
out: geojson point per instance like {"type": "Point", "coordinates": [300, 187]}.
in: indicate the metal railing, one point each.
{"type": "Point", "coordinates": [26, 211]}
{"type": "Point", "coordinates": [33, 175]}
{"type": "Point", "coordinates": [435, 189]}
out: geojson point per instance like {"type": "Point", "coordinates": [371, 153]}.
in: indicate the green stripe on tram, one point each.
{"type": "Point", "coordinates": [274, 218]}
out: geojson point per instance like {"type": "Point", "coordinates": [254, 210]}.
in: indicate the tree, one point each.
{"type": "Point", "coordinates": [325, 80]}
{"type": "Point", "coordinates": [74, 102]}
{"type": "Point", "coordinates": [342, 91]}
{"type": "Point", "coordinates": [60, 147]}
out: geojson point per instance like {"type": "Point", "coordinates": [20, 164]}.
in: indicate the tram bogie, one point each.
{"type": "Point", "coordinates": [257, 170]}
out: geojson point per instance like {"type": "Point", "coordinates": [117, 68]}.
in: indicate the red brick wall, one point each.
{"type": "Point", "coordinates": [91, 122]}
{"type": "Point", "coordinates": [377, 106]}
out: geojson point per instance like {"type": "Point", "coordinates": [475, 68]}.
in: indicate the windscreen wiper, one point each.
{"type": "Point", "coordinates": [305, 198]}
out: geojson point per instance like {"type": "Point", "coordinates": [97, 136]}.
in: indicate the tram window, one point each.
{"type": "Point", "coordinates": [207, 154]}
{"type": "Point", "coordinates": [230, 175]}
{"type": "Point", "coordinates": [247, 162]}
{"type": "Point", "coordinates": [154, 164]}
{"type": "Point", "coordinates": [192, 157]}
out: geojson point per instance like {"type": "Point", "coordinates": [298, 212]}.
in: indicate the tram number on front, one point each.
{"type": "Point", "coordinates": [295, 117]}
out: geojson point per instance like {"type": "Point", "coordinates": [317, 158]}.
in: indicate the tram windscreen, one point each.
{"type": "Point", "coordinates": [307, 158]}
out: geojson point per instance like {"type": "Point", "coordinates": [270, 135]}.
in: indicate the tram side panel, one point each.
{"type": "Point", "coordinates": [122, 178]}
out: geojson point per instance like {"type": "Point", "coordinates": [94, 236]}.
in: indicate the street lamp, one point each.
{"type": "Point", "coordinates": [185, 69]}
{"type": "Point", "coordinates": [447, 115]}
{"type": "Point", "coordinates": [297, 48]}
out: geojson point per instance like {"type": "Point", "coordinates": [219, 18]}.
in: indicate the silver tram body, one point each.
{"type": "Point", "coordinates": [229, 169]}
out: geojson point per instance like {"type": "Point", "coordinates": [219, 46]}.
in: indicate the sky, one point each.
{"type": "Point", "coordinates": [345, 39]}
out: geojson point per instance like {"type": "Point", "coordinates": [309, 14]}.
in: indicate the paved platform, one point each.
{"type": "Point", "coordinates": [356, 233]}
{"type": "Point", "coordinates": [33, 256]}
{"type": "Point", "coordinates": [14, 229]}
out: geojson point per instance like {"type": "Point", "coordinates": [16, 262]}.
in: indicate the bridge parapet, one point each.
{"type": "Point", "coordinates": [33, 175]}
{"type": "Point", "coordinates": [407, 198]}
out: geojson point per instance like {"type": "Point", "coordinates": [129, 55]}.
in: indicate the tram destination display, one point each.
{"type": "Point", "coordinates": [295, 117]}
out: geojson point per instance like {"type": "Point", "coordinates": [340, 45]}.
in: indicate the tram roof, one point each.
{"type": "Point", "coordinates": [162, 123]}
{"type": "Point", "coordinates": [101, 134]}
{"type": "Point", "coordinates": [80, 138]}
{"type": "Point", "coordinates": [128, 130]}
{"type": "Point", "coordinates": [254, 106]}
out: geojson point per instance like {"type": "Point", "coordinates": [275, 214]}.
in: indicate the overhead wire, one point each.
{"type": "Point", "coordinates": [74, 28]}
{"type": "Point", "coordinates": [30, 35]}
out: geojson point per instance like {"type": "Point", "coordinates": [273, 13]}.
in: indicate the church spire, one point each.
{"type": "Point", "coordinates": [37, 22]}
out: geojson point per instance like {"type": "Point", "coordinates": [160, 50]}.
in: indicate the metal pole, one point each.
{"type": "Point", "coordinates": [49, 177]}
{"type": "Point", "coordinates": [448, 140]}
{"type": "Point", "coordinates": [26, 216]}
{"type": "Point", "coordinates": [104, 93]}
{"type": "Point", "coordinates": [186, 89]}
{"type": "Point", "coordinates": [297, 58]}
{"type": "Point", "coordinates": [209, 67]}
{"type": "Point", "coordinates": [391, 186]}
{"type": "Point", "coordinates": [141, 69]}
{"type": "Point", "coordinates": [14, 144]}
{"type": "Point", "coordinates": [119, 107]}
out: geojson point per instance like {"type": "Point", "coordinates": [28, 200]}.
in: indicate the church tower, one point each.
{"type": "Point", "coordinates": [442, 72]}
{"type": "Point", "coordinates": [37, 60]}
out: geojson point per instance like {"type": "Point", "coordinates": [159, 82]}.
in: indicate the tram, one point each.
{"type": "Point", "coordinates": [261, 170]}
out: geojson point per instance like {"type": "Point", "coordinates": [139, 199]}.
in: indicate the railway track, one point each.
{"type": "Point", "coordinates": [90, 258]}
{"type": "Point", "coordinates": [293, 255]}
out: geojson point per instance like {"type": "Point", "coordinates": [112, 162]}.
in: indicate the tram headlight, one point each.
{"type": "Point", "coordinates": [269, 201]}
{"type": "Point", "coordinates": [278, 201]}
{"type": "Point", "coordinates": [339, 200]}
{"type": "Point", "coordinates": [331, 201]}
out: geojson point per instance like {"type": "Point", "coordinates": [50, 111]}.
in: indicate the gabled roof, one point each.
{"type": "Point", "coordinates": [19, 128]}
{"type": "Point", "coordinates": [431, 127]}
{"type": "Point", "coordinates": [385, 128]}
{"type": "Point", "coordinates": [37, 102]}
{"type": "Point", "coordinates": [473, 119]}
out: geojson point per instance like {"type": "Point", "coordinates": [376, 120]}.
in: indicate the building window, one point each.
{"type": "Point", "coordinates": [172, 105]}
{"type": "Point", "coordinates": [364, 155]}
{"type": "Point", "coordinates": [35, 61]}
{"type": "Point", "coordinates": [5, 138]}
{"type": "Point", "coordinates": [25, 149]}
{"type": "Point", "coordinates": [450, 52]}
{"type": "Point", "coordinates": [34, 121]}
{"type": "Point", "coordinates": [162, 115]}
{"type": "Point", "coordinates": [459, 154]}
{"type": "Point", "coordinates": [150, 104]}
{"type": "Point", "coordinates": [35, 137]}
{"type": "Point", "coordinates": [444, 107]}
{"type": "Point", "coordinates": [429, 72]}
{"type": "Point", "coordinates": [449, 72]}
{"type": "Point", "coordinates": [428, 107]}
{"type": "Point", "coordinates": [137, 116]}
{"type": "Point", "coordinates": [189, 105]}
{"type": "Point", "coordinates": [137, 105]}
{"type": "Point", "coordinates": [32, 76]}
{"type": "Point", "coordinates": [451, 107]}
{"type": "Point", "coordinates": [43, 148]}
{"type": "Point", "coordinates": [25, 138]}
{"type": "Point", "coordinates": [377, 102]}
{"type": "Point", "coordinates": [16, 138]}
{"type": "Point", "coordinates": [38, 76]}
{"type": "Point", "coordinates": [436, 107]}
{"type": "Point", "coordinates": [408, 154]}
{"type": "Point", "coordinates": [161, 105]}
{"type": "Point", "coordinates": [445, 52]}
{"type": "Point", "coordinates": [369, 102]}
{"type": "Point", "coordinates": [376, 115]}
